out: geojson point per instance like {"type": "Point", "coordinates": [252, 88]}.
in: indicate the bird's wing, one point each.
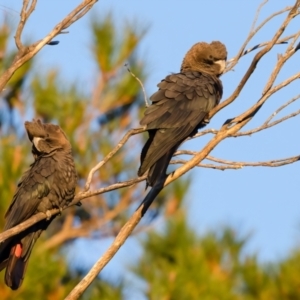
{"type": "Point", "coordinates": [180, 99]}
{"type": "Point", "coordinates": [177, 110]}
{"type": "Point", "coordinates": [35, 184]}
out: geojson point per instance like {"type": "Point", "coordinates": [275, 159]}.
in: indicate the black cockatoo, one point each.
{"type": "Point", "coordinates": [49, 183]}
{"type": "Point", "coordinates": [180, 106]}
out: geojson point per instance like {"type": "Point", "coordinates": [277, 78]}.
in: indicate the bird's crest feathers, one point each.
{"type": "Point", "coordinates": [46, 137]}
{"type": "Point", "coordinates": [204, 57]}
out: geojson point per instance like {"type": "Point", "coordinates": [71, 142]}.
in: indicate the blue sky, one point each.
{"type": "Point", "coordinates": [263, 201]}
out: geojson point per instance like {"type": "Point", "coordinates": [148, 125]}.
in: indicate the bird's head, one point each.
{"type": "Point", "coordinates": [208, 58]}
{"type": "Point", "coordinates": [46, 137]}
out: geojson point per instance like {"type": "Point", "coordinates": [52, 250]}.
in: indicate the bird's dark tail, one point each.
{"type": "Point", "coordinates": [14, 257]}
{"type": "Point", "coordinates": [16, 267]}
{"type": "Point", "coordinates": [159, 169]}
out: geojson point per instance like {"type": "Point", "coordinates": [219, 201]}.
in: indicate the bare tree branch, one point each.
{"type": "Point", "coordinates": [257, 15]}
{"type": "Point", "coordinates": [83, 195]}
{"type": "Point", "coordinates": [25, 14]}
{"type": "Point", "coordinates": [69, 231]}
{"type": "Point", "coordinates": [265, 126]}
{"type": "Point", "coordinates": [230, 128]}
{"type": "Point", "coordinates": [111, 154]}
{"type": "Point", "coordinates": [250, 113]}
{"type": "Point", "coordinates": [269, 163]}
{"type": "Point", "coordinates": [229, 164]}
{"type": "Point", "coordinates": [136, 217]}
{"type": "Point", "coordinates": [279, 42]}
{"type": "Point", "coordinates": [293, 12]}
{"type": "Point", "coordinates": [108, 255]}
{"type": "Point", "coordinates": [252, 33]}
{"type": "Point", "coordinates": [26, 53]}
{"type": "Point", "coordinates": [281, 108]}
{"type": "Point", "coordinates": [281, 60]}
{"type": "Point", "coordinates": [134, 220]}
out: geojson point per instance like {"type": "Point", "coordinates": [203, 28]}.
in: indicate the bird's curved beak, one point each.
{"type": "Point", "coordinates": [222, 64]}
{"type": "Point", "coordinates": [35, 141]}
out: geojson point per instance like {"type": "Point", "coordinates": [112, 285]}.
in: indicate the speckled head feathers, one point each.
{"type": "Point", "coordinates": [204, 57]}
{"type": "Point", "coordinates": [46, 137]}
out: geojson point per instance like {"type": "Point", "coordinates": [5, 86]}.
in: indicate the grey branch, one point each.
{"type": "Point", "coordinates": [111, 154]}
{"type": "Point", "coordinates": [83, 195]}
{"type": "Point", "coordinates": [229, 164]}
{"type": "Point", "coordinates": [26, 53]}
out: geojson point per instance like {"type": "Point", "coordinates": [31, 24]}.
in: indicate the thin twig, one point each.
{"type": "Point", "coordinates": [251, 35]}
{"type": "Point", "coordinates": [269, 125]}
{"type": "Point", "coordinates": [257, 14]}
{"type": "Point", "coordinates": [279, 42]}
{"type": "Point", "coordinates": [281, 61]}
{"type": "Point", "coordinates": [141, 84]}
{"type": "Point", "coordinates": [281, 108]}
{"type": "Point", "coordinates": [250, 113]}
{"type": "Point", "coordinates": [229, 164]}
{"type": "Point", "coordinates": [111, 154]}
{"type": "Point", "coordinates": [203, 132]}
{"type": "Point", "coordinates": [208, 166]}
{"type": "Point", "coordinates": [268, 163]}
{"type": "Point", "coordinates": [25, 14]}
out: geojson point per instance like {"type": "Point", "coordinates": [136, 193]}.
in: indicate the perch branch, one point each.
{"type": "Point", "coordinates": [40, 216]}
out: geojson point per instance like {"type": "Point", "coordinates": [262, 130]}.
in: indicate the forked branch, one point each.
{"type": "Point", "coordinates": [26, 53]}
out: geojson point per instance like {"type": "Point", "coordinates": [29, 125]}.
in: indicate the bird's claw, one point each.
{"type": "Point", "coordinates": [206, 121]}
{"type": "Point", "coordinates": [48, 214]}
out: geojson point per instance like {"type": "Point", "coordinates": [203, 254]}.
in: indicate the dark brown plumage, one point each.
{"type": "Point", "coordinates": [180, 106]}
{"type": "Point", "coordinates": [49, 183]}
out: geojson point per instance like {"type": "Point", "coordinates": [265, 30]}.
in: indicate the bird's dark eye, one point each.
{"type": "Point", "coordinates": [209, 61]}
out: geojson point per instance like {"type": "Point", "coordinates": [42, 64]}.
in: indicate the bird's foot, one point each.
{"type": "Point", "coordinates": [60, 211]}
{"type": "Point", "coordinates": [206, 121]}
{"type": "Point", "coordinates": [49, 215]}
